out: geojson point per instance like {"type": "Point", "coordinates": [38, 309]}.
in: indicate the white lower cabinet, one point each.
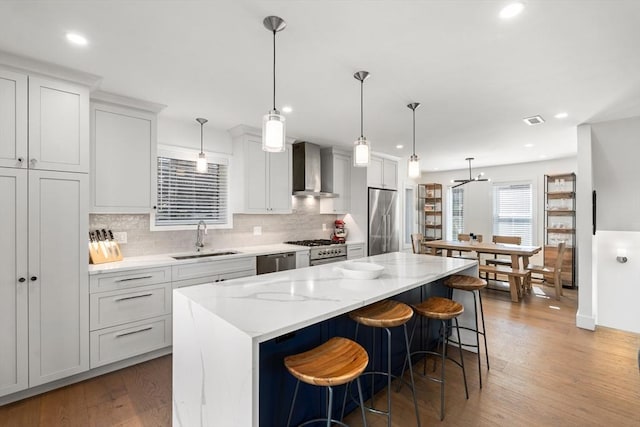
{"type": "Point", "coordinates": [302, 259]}
{"type": "Point", "coordinates": [130, 314]}
{"type": "Point", "coordinates": [121, 342]}
{"type": "Point", "coordinates": [355, 250]}
{"type": "Point", "coordinates": [130, 311]}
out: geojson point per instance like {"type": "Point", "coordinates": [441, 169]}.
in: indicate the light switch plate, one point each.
{"type": "Point", "coordinates": [257, 230]}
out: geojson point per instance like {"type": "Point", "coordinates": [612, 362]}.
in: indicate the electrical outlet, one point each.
{"type": "Point", "coordinates": [120, 236]}
{"type": "Point", "coordinates": [257, 230]}
{"type": "Point", "coordinates": [324, 227]}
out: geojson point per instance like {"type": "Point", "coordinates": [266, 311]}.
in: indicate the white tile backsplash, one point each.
{"type": "Point", "coordinates": [305, 223]}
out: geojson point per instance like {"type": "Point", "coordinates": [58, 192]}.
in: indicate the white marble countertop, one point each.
{"type": "Point", "coordinates": [162, 260]}
{"type": "Point", "coordinates": [131, 263]}
{"type": "Point", "coordinates": [290, 300]}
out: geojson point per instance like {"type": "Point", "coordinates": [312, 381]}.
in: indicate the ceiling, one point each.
{"type": "Point", "coordinates": [477, 76]}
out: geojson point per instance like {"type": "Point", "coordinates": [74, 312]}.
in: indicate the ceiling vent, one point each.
{"type": "Point", "coordinates": [533, 120]}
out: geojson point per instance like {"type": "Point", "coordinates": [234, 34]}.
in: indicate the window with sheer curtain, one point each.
{"type": "Point", "coordinates": [456, 213]}
{"type": "Point", "coordinates": [186, 196]}
{"type": "Point", "coordinates": [513, 211]}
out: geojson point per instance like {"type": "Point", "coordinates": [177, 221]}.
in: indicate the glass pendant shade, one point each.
{"type": "Point", "coordinates": [414, 166]}
{"type": "Point", "coordinates": [273, 132]}
{"type": "Point", "coordinates": [361, 153]}
{"type": "Point", "coordinates": [201, 163]}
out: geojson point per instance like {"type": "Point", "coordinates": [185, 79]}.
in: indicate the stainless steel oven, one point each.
{"type": "Point", "coordinates": [323, 251]}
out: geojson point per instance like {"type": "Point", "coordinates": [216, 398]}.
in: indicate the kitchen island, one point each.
{"type": "Point", "coordinates": [221, 331]}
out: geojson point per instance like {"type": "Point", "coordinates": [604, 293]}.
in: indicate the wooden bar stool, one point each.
{"type": "Point", "coordinates": [473, 285]}
{"type": "Point", "coordinates": [385, 314]}
{"type": "Point", "coordinates": [336, 362]}
{"type": "Point", "coordinates": [441, 309]}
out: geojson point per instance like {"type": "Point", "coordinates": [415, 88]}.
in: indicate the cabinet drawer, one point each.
{"type": "Point", "coordinates": [211, 268]}
{"type": "Point", "coordinates": [127, 279]}
{"type": "Point", "coordinates": [213, 278]}
{"type": "Point", "coordinates": [355, 251]}
{"type": "Point", "coordinates": [122, 306]}
{"type": "Point", "coordinates": [121, 342]}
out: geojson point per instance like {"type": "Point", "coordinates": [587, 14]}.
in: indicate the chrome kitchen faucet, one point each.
{"type": "Point", "coordinates": [200, 235]}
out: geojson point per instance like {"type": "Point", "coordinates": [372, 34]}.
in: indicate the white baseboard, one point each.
{"type": "Point", "coordinates": [585, 322]}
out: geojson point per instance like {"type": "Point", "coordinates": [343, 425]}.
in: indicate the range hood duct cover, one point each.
{"type": "Point", "coordinates": [307, 171]}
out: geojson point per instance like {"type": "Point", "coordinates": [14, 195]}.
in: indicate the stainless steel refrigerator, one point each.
{"type": "Point", "coordinates": [383, 221]}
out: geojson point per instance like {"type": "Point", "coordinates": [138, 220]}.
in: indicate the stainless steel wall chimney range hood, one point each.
{"type": "Point", "coordinates": [307, 171]}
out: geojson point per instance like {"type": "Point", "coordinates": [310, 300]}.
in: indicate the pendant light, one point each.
{"type": "Point", "coordinates": [201, 165]}
{"type": "Point", "coordinates": [273, 123]}
{"type": "Point", "coordinates": [414, 161]}
{"type": "Point", "coordinates": [361, 148]}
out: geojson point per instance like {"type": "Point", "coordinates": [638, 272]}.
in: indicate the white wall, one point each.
{"type": "Point", "coordinates": [478, 197]}
{"type": "Point", "coordinates": [615, 289]}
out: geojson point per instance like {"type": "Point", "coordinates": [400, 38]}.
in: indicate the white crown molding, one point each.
{"type": "Point", "coordinates": [121, 100]}
{"type": "Point", "coordinates": [30, 65]}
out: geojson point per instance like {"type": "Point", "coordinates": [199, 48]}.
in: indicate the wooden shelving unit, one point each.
{"type": "Point", "coordinates": [560, 222]}
{"type": "Point", "coordinates": [430, 210]}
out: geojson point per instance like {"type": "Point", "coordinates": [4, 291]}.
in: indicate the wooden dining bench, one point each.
{"type": "Point", "coordinates": [524, 275]}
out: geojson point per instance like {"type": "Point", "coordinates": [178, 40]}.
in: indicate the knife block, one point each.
{"type": "Point", "coordinates": [101, 252]}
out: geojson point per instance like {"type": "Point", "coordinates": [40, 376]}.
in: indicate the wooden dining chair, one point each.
{"type": "Point", "coordinates": [467, 238]}
{"type": "Point", "coordinates": [513, 240]}
{"type": "Point", "coordinates": [416, 240]}
{"type": "Point", "coordinates": [552, 272]}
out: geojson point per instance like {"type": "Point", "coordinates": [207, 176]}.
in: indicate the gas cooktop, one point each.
{"type": "Point", "coordinates": [316, 242]}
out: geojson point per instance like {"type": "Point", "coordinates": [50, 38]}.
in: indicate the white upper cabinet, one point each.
{"type": "Point", "coordinates": [123, 159]}
{"type": "Point", "coordinates": [382, 173]}
{"type": "Point", "coordinates": [56, 116]}
{"type": "Point", "coordinates": [261, 181]}
{"type": "Point", "coordinates": [13, 119]}
{"type": "Point", "coordinates": [336, 178]}
{"type": "Point", "coordinates": [58, 126]}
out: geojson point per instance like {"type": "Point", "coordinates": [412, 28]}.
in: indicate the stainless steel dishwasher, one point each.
{"type": "Point", "coordinates": [275, 262]}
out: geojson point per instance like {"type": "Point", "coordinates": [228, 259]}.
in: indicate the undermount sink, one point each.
{"type": "Point", "coordinates": [204, 255]}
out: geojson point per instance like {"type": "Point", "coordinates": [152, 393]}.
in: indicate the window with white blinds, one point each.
{"type": "Point", "coordinates": [186, 196]}
{"type": "Point", "coordinates": [513, 211]}
{"type": "Point", "coordinates": [457, 212]}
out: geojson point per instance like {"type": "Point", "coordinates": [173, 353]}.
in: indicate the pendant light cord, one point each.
{"type": "Point", "coordinates": [361, 109]}
{"type": "Point", "coordinates": [274, 69]}
{"type": "Point", "coordinates": [201, 143]}
{"type": "Point", "coordinates": [414, 132]}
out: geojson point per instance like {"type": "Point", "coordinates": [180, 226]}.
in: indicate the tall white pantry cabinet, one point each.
{"type": "Point", "coordinates": [44, 164]}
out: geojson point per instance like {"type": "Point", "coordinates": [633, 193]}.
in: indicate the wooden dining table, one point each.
{"type": "Point", "coordinates": [519, 254]}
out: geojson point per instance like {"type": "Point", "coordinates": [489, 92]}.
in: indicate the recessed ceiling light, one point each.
{"type": "Point", "coordinates": [77, 39]}
{"type": "Point", "coordinates": [561, 116]}
{"type": "Point", "coordinates": [436, 169]}
{"type": "Point", "coordinates": [399, 146]}
{"type": "Point", "coordinates": [543, 156]}
{"type": "Point", "coordinates": [511, 10]}
{"type": "Point", "coordinates": [287, 109]}
{"type": "Point", "coordinates": [528, 145]}
{"type": "Point", "coordinates": [533, 120]}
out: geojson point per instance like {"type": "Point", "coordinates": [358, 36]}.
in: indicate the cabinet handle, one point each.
{"type": "Point", "coordinates": [33, 278]}
{"type": "Point", "coordinates": [20, 160]}
{"type": "Point", "coordinates": [133, 278]}
{"type": "Point", "coordinates": [22, 280]}
{"type": "Point", "coordinates": [34, 161]}
{"type": "Point", "coordinates": [132, 297]}
{"type": "Point", "coordinates": [148, 328]}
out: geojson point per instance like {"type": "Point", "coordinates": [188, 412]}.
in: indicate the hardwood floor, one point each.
{"type": "Point", "coordinates": [544, 372]}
